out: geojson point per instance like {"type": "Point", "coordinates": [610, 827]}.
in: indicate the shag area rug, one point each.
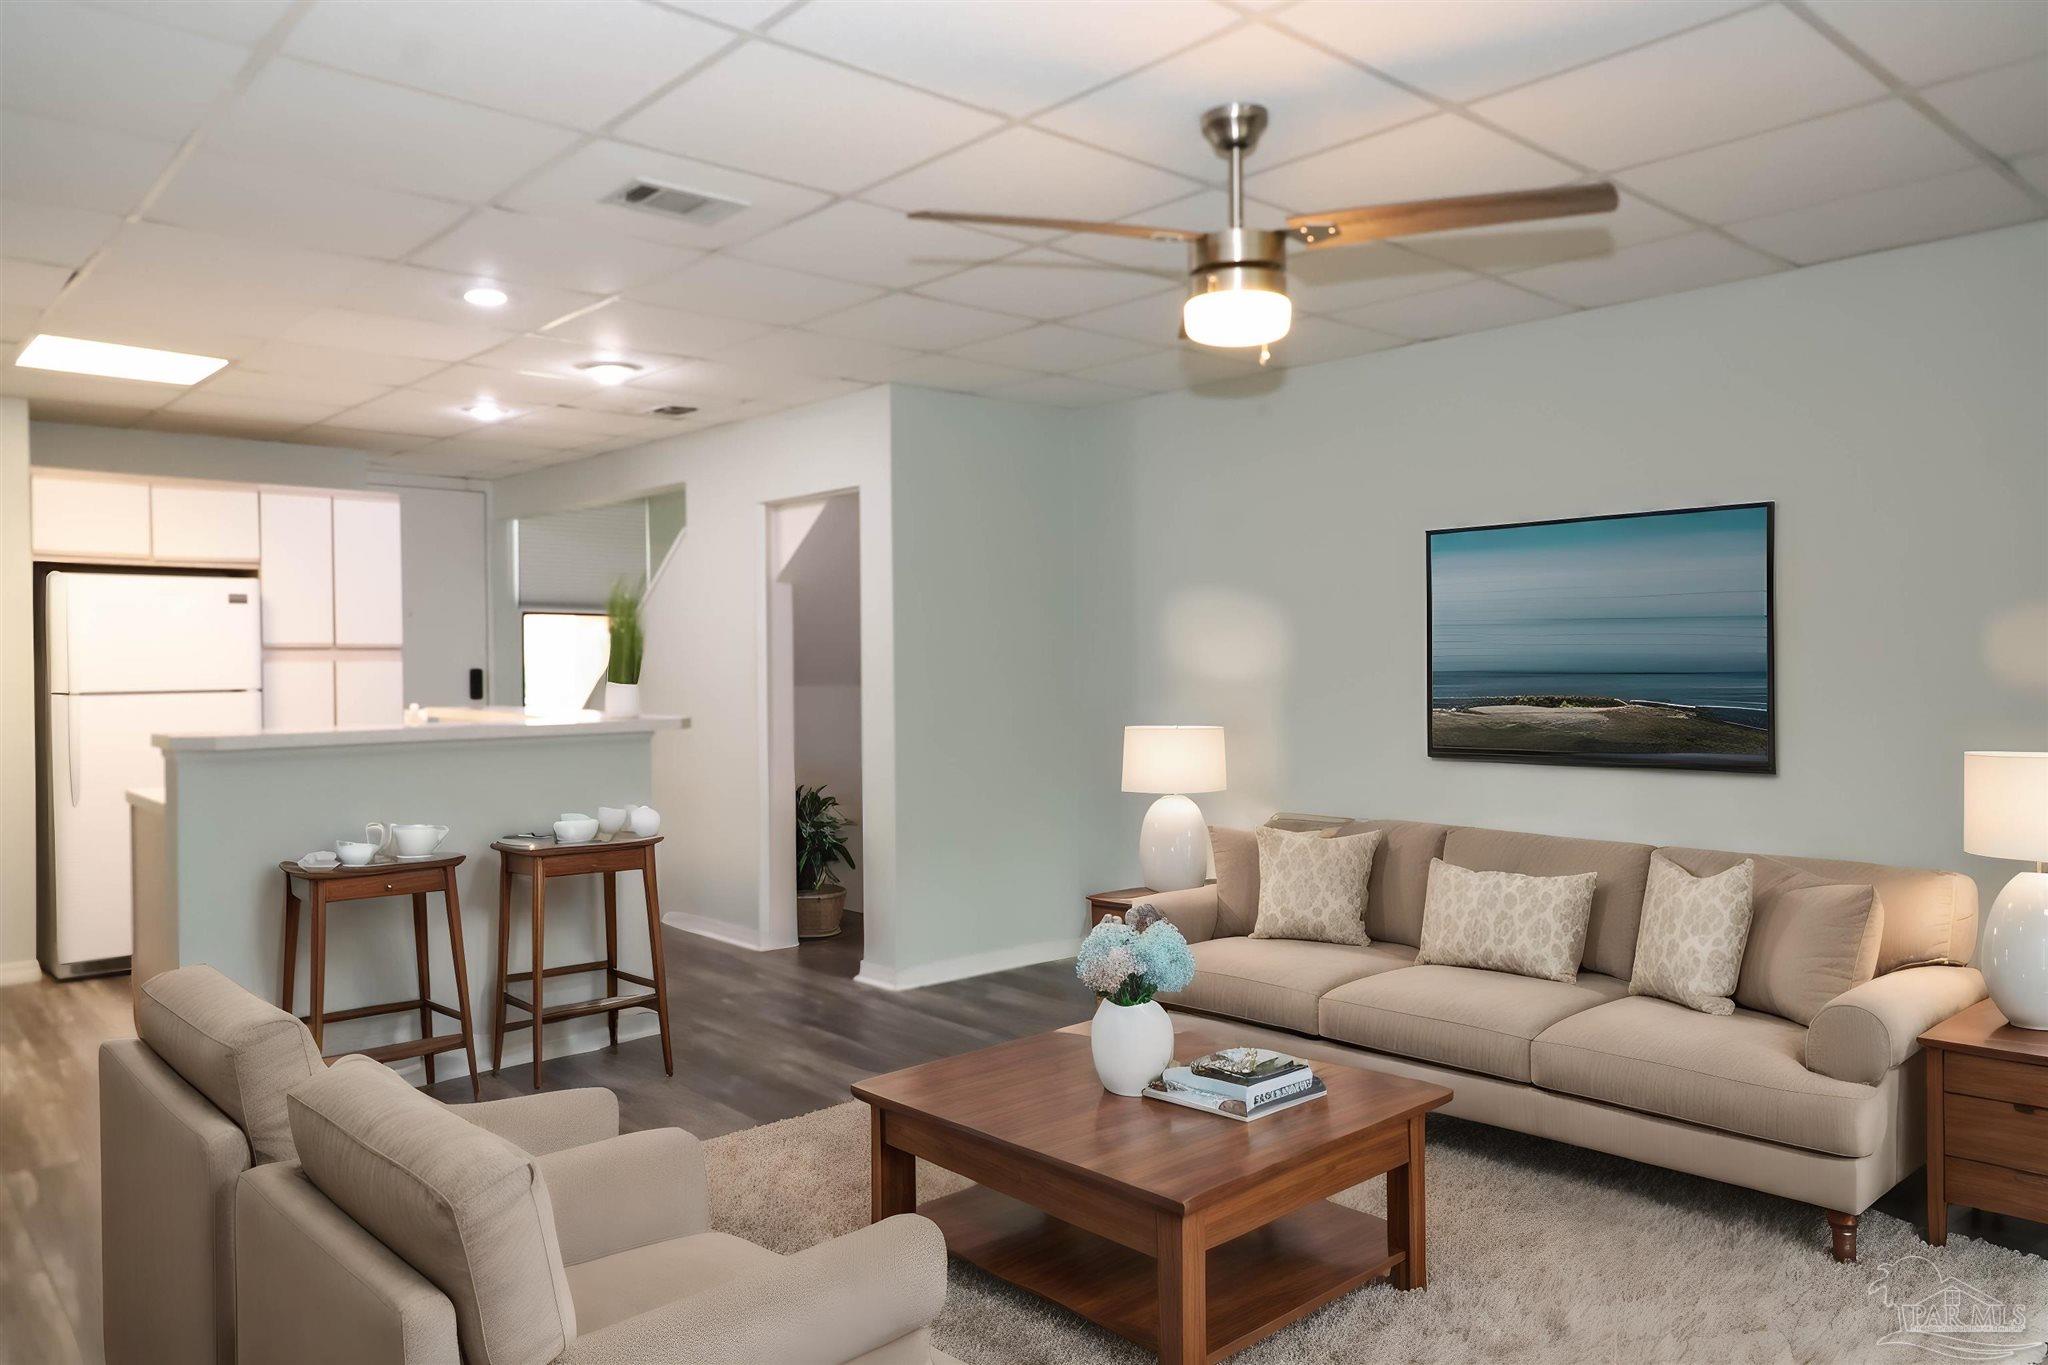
{"type": "Point", "coordinates": [1537, 1252]}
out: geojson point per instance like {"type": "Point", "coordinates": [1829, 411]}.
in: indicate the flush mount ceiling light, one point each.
{"type": "Point", "coordinates": [1237, 278]}
{"type": "Point", "coordinates": [609, 372]}
{"type": "Point", "coordinates": [487, 410]}
{"type": "Point", "coordinates": [112, 361]}
{"type": "Point", "coordinates": [486, 296]}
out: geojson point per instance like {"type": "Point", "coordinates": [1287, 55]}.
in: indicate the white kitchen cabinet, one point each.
{"type": "Point", "coordinates": [369, 605]}
{"type": "Point", "coordinates": [100, 518]}
{"type": "Point", "coordinates": [298, 568]}
{"type": "Point", "coordinates": [209, 524]}
{"type": "Point", "coordinates": [298, 692]}
{"type": "Point", "coordinates": [369, 691]}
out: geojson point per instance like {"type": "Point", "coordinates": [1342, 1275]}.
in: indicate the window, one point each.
{"type": "Point", "coordinates": [565, 653]}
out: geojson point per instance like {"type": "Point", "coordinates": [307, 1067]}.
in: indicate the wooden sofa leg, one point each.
{"type": "Point", "coordinates": [1844, 1228]}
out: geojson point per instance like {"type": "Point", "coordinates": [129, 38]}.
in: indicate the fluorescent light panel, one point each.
{"type": "Point", "coordinates": [110, 360]}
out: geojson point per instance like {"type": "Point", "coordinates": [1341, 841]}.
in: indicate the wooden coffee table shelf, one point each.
{"type": "Point", "coordinates": [1181, 1231]}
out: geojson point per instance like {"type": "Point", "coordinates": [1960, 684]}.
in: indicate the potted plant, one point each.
{"type": "Point", "coordinates": [820, 844]}
{"type": "Point", "coordinates": [622, 669]}
{"type": "Point", "coordinates": [1127, 964]}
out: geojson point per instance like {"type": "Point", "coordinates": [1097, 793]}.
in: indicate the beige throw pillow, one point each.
{"type": "Point", "coordinates": [1505, 921]}
{"type": "Point", "coordinates": [1689, 944]}
{"type": "Point", "coordinates": [1810, 940]}
{"type": "Point", "coordinates": [1312, 886]}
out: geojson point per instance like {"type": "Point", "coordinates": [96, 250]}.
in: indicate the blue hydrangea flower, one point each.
{"type": "Point", "coordinates": [1128, 967]}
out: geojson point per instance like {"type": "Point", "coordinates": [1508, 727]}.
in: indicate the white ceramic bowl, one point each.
{"type": "Point", "coordinates": [354, 852]}
{"type": "Point", "coordinates": [610, 819]}
{"type": "Point", "coordinates": [575, 829]}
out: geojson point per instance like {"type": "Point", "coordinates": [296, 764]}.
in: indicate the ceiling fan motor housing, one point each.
{"type": "Point", "coordinates": [1238, 258]}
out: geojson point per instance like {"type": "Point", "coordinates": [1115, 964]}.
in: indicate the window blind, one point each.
{"type": "Point", "coordinates": [571, 559]}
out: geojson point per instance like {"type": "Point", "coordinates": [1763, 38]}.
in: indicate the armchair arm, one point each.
{"type": "Point", "coordinates": [548, 1122]}
{"type": "Point", "coordinates": [826, 1305]}
{"type": "Point", "coordinates": [626, 1192]}
{"type": "Point", "coordinates": [1192, 911]}
{"type": "Point", "coordinates": [1867, 1030]}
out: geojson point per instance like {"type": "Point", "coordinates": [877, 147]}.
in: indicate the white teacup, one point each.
{"type": "Point", "coordinates": [575, 829]}
{"type": "Point", "coordinates": [610, 820]}
{"type": "Point", "coordinates": [354, 852]}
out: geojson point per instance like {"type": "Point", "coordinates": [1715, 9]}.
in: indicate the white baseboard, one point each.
{"type": "Point", "coordinates": [719, 929]}
{"type": "Point", "coordinates": [958, 968]}
{"type": "Point", "coordinates": [19, 973]}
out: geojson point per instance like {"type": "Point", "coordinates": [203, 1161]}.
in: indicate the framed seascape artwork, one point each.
{"type": "Point", "coordinates": [1633, 641]}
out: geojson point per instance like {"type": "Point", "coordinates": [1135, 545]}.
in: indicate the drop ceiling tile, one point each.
{"type": "Point", "coordinates": [1311, 341]}
{"type": "Point", "coordinates": [50, 161]}
{"type": "Point", "coordinates": [1334, 279]}
{"type": "Point", "coordinates": [642, 327]}
{"type": "Point", "coordinates": [1315, 101]}
{"type": "Point", "coordinates": [469, 382]}
{"type": "Point", "coordinates": [149, 254]}
{"type": "Point", "coordinates": [871, 245]}
{"type": "Point", "coordinates": [820, 356]}
{"type": "Point", "coordinates": [93, 66]}
{"type": "Point", "coordinates": [1014, 56]}
{"type": "Point", "coordinates": [557, 358]}
{"type": "Point", "coordinates": [315, 362]}
{"type": "Point", "coordinates": [170, 318]}
{"type": "Point", "coordinates": [1177, 369]}
{"type": "Point", "coordinates": [58, 386]}
{"type": "Point", "coordinates": [298, 114]}
{"type": "Point", "coordinates": [18, 323]}
{"type": "Point", "coordinates": [1153, 320]}
{"type": "Point", "coordinates": [1669, 266]}
{"type": "Point", "coordinates": [355, 438]}
{"type": "Point", "coordinates": [2034, 170]}
{"type": "Point", "coordinates": [1927, 42]}
{"type": "Point", "coordinates": [351, 330]}
{"type": "Point", "coordinates": [219, 424]}
{"type": "Point", "coordinates": [409, 413]}
{"type": "Point", "coordinates": [1065, 391]}
{"type": "Point", "coordinates": [1022, 170]}
{"type": "Point", "coordinates": [826, 126]}
{"type": "Point", "coordinates": [48, 232]}
{"type": "Point", "coordinates": [31, 284]}
{"type": "Point", "coordinates": [1044, 285]}
{"type": "Point", "coordinates": [498, 245]}
{"type": "Point", "coordinates": [1203, 211]}
{"type": "Point", "coordinates": [1054, 349]}
{"type": "Point", "coordinates": [1887, 143]}
{"type": "Point", "coordinates": [1445, 155]}
{"type": "Point", "coordinates": [1470, 307]}
{"type": "Point", "coordinates": [577, 186]}
{"type": "Point", "coordinates": [729, 287]}
{"type": "Point", "coordinates": [958, 375]}
{"type": "Point", "coordinates": [737, 13]}
{"type": "Point", "coordinates": [2006, 109]}
{"type": "Point", "coordinates": [335, 392]}
{"type": "Point", "coordinates": [591, 423]}
{"type": "Point", "coordinates": [300, 207]}
{"type": "Point", "coordinates": [1507, 247]}
{"type": "Point", "coordinates": [244, 21]}
{"type": "Point", "coordinates": [697, 382]}
{"type": "Point", "coordinates": [919, 324]}
{"type": "Point", "coordinates": [1740, 75]}
{"type": "Point", "coordinates": [1945, 206]}
{"type": "Point", "coordinates": [284, 411]}
{"type": "Point", "coordinates": [1463, 49]}
{"type": "Point", "coordinates": [582, 64]}
{"type": "Point", "coordinates": [524, 431]}
{"type": "Point", "coordinates": [436, 296]}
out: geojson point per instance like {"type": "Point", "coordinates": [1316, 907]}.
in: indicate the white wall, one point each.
{"type": "Point", "coordinates": [823, 602]}
{"type": "Point", "coordinates": [447, 595]}
{"type": "Point", "coordinates": [17, 705]}
{"type": "Point", "coordinates": [827, 719]}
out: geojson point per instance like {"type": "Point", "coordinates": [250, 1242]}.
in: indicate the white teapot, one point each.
{"type": "Point", "coordinates": [405, 841]}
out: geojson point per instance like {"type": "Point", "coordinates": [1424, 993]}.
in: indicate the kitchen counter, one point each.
{"type": "Point", "coordinates": [452, 724]}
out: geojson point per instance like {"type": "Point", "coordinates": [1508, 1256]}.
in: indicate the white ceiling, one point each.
{"type": "Point", "coordinates": [306, 188]}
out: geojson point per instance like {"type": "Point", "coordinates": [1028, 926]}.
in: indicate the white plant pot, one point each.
{"type": "Point", "coordinates": [622, 700]}
{"type": "Point", "coordinates": [2014, 958]}
{"type": "Point", "coordinates": [1132, 1045]}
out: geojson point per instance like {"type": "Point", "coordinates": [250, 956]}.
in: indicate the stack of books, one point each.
{"type": "Point", "coordinates": [1242, 1083]}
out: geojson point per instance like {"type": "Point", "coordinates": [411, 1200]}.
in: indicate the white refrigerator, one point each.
{"type": "Point", "coordinates": [126, 657]}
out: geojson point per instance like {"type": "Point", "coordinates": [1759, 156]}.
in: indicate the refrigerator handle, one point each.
{"type": "Point", "coordinates": [67, 745]}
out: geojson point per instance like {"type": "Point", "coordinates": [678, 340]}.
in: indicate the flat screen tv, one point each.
{"type": "Point", "coordinates": [1633, 641]}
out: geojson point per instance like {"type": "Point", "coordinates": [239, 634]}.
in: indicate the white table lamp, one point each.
{"type": "Point", "coordinates": [2005, 815]}
{"type": "Point", "coordinates": [1173, 760]}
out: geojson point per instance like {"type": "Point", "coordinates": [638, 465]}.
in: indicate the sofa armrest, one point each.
{"type": "Point", "coordinates": [1192, 911]}
{"type": "Point", "coordinates": [626, 1192]}
{"type": "Point", "coordinates": [831, 1303]}
{"type": "Point", "coordinates": [548, 1122]}
{"type": "Point", "coordinates": [1867, 1030]}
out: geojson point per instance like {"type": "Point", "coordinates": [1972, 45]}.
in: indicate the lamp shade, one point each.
{"type": "Point", "coordinates": [1173, 758]}
{"type": "Point", "coordinates": [2005, 805]}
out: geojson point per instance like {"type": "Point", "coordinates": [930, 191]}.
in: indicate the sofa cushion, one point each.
{"type": "Point", "coordinates": [1400, 876]}
{"type": "Point", "coordinates": [1740, 1072]}
{"type": "Point", "coordinates": [628, 1283]}
{"type": "Point", "coordinates": [1689, 947]}
{"type": "Point", "coordinates": [1236, 852]}
{"type": "Point", "coordinates": [237, 1050]}
{"type": "Point", "coordinates": [462, 1206]}
{"type": "Point", "coordinates": [1620, 869]}
{"type": "Point", "coordinates": [1279, 981]}
{"type": "Point", "coordinates": [1459, 1016]}
{"type": "Point", "coordinates": [1312, 886]}
{"type": "Point", "coordinates": [1506, 921]}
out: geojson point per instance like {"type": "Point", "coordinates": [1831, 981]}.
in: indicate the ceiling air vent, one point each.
{"type": "Point", "coordinates": [670, 410]}
{"type": "Point", "coordinates": [674, 201]}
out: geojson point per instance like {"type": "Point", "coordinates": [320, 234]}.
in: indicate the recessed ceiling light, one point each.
{"type": "Point", "coordinates": [114, 361]}
{"type": "Point", "coordinates": [609, 371]}
{"type": "Point", "coordinates": [486, 296]}
{"type": "Point", "coordinates": [487, 410]}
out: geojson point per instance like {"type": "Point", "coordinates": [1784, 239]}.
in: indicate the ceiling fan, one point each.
{"type": "Point", "coordinates": [1237, 277]}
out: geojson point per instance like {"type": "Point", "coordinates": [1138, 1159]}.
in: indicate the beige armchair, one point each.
{"type": "Point", "coordinates": [405, 1236]}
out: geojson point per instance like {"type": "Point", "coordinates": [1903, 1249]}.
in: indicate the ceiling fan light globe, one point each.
{"type": "Point", "coordinates": [1237, 316]}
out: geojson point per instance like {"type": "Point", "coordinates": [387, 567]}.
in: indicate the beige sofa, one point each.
{"type": "Point", "coordinates": [1828, 1112]}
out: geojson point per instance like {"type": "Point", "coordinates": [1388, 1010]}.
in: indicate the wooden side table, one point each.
{"type": "Point", "coordinates": [1102, 904]}
{"type": "Point", "coordinates": [414, 877]}
{"type": "Point", "coordinates": [1987, 1117]}
{"type": "Point", "coordinates": [542, 865]}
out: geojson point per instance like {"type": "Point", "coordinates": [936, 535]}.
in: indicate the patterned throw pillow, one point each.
{"type": "Point", "coordinates": [1312, 886]}
{"type": "Point", "coordinates": [1505, 921]}
{"type": "Point", "coordinates": [1689, 946]}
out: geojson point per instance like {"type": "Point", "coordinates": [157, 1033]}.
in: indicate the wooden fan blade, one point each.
{"type": "Point", "coordinates": [1157, 234]}
{"type": "Point", "coordinates": [1343, 227]}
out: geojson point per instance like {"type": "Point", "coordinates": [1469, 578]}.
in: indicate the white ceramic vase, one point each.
{"type": "Point", "coordinates": [622, 700]}
{"type": "Point", "coordinates": [1132, 1045]}
{"type": "Point", "coordinates": [2014, 958]}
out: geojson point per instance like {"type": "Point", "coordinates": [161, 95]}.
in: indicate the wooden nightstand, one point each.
{"type": "Point", "coordinates": [1103, 903]}
{"type": "Point", "coordinates": [1987, 1118]}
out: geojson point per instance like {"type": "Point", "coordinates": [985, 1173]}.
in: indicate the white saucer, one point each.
{"type": "Point", "coordinates": [320, 867]}
{"type": "Point", "coordinates": [415, 857]}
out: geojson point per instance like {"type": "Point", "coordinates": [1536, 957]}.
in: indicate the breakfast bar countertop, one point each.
{"type": "Point", "coordinates": [434, 725]}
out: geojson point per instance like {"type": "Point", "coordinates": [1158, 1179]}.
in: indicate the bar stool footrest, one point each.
{"type": "Point", "coordinates": [393, 1052]}
{"type": "Point", "coordinates": [578, 1009]}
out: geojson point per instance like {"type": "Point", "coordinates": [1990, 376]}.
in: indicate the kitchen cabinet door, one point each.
{"type": "Point", "coordinates": [369, 691]}
{"type": "Point", "coordinates": [298, 568]}
{"type": "Point", "coordinates": [298, 693]}
{"type": "Point", "coordinates": [212, 525]}
{"type": "Point", "coordinates": [369, 606]}
{"type": "Point", "coordinates": [99, 518]}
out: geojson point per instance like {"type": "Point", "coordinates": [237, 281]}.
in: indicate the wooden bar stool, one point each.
{"type": "Point", "coordinates": [417, 878]}
{"type": "Point", "coordinates": [543, 865]}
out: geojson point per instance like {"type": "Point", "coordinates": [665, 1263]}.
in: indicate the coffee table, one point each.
{"type": "Point", "coordinates": [1178, 1230]}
